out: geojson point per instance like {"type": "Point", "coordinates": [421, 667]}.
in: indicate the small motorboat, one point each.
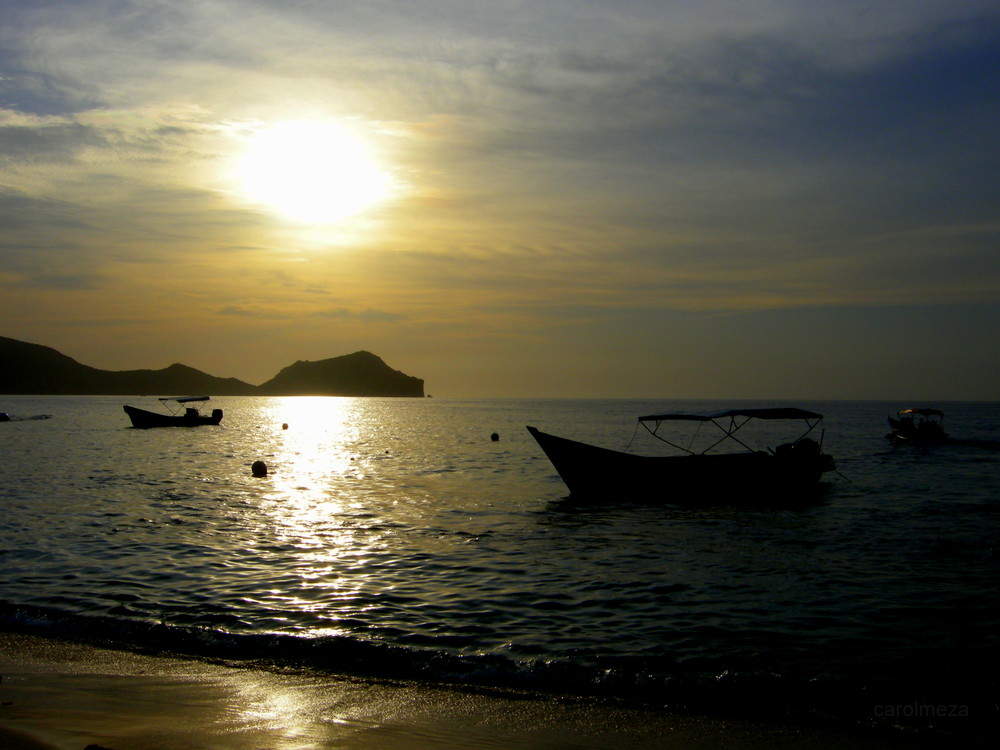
{"type": "Point", "coordinates": [695, 476]}
{"type": "Point", "coordinates": [917, 427]}
{"type": "Point", "coordinates": [5, 417]}
{"type": "Point", "coordinates": [184, 411]}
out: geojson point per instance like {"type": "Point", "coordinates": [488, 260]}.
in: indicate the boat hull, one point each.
{"type": "Point", "coordinates": [145, 419]}
{"type": "Point", "coordinates": [593, 472]}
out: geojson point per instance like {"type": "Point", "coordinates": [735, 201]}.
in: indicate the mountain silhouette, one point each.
{"type": "Point", "coordinates": [34, 369]}
{"type": "Point", "coordinates": [358, 374]}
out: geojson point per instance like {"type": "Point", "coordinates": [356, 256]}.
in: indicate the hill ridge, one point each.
{"type": "Point", "coordinates": [35, 369]}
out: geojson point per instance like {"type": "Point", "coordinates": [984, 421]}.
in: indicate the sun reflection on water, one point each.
{"type": "Point", "coordinates": [314, 444]}
{"type": "Point", "coordinates": [313, 504]}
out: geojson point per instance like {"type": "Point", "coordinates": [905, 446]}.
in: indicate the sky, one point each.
{"type": "Point", "coordinates": [728, 199]}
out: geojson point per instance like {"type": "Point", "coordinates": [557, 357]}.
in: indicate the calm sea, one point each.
{"type": "Point", "coordinates": [394, 539]}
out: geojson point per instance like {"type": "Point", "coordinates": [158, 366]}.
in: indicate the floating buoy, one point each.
{"type": "Point", "coordinates": [494, 437]}
{"type": "Point", "coordinates": [259, 469]}
{"type": "Point", "coordinates": [284, 426]}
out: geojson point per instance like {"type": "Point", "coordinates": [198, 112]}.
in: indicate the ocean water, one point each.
{"type": "Point", "coordinates": [394, 539]}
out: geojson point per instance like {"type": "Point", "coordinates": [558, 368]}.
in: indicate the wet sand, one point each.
{"type": "Point", "coordinates": [65, 696]}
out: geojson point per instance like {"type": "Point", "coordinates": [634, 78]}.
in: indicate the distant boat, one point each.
{"type": "Point", "coordinates": [694, 477]}
{"type": "Point", "coordinates": [5, 417]}
{"type": "Point", "coordinates": [917, 427]}
{"type": "Point", "coordinates": [184, 412]}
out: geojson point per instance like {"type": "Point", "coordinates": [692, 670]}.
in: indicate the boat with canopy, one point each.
{"type": "Point", "coordinates": [726, 468]}
{"type": "Point", "coordinates": [917, 427]}
{"type": "Point", "coordinates": [184, 411]}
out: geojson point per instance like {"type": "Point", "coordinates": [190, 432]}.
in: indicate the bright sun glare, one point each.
{"type": "Point", "coordinates": [311, 171]}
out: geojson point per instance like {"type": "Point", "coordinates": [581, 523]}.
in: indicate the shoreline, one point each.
{"type": "Point", "coordinates": [57, 695]}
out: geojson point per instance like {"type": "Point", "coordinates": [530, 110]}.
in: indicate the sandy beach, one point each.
{"type": "Point", "coordinates": [67, 696]}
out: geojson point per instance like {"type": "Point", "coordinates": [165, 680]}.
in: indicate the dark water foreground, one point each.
{"type": "Point", "coordinates": [393, 539]}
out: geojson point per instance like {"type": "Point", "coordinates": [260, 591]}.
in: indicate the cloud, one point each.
{"type": "Point", "coordinates": [58, 281]}
{"type": "Point", "coordinates": [44, 142]}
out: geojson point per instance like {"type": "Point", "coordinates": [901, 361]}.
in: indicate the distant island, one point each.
{"type": "Point", "coordinates": [34, 369]}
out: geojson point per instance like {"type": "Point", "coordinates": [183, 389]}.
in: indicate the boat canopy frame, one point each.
{"type": "Point", "coordinates": [737, 419]}
{"type": "Point", "coordinates": [925, 413]}
{"type": "Point", "coordinates": [183, 402]}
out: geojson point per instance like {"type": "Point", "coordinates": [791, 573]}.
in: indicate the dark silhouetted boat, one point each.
{"type": "Point", "coordinates": [184, 412]}
{"type": "Point", "coordinates": [695, 477]}
{"type": "Point", "coordinates": [917, 427]}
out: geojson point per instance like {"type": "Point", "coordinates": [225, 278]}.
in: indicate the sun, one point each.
{"type": "Point", "coordinates": [311, 171]}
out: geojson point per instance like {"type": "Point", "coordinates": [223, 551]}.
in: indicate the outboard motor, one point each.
{"type": "Point", "coordinates": [217, 415]}
{"type": "Point", "coordinates": [797, 450]}
{"type": "Point", "coordinates": [806, 446]}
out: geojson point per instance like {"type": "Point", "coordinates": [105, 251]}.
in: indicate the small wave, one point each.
{"type": "Point", "coordinates": [707, 688]}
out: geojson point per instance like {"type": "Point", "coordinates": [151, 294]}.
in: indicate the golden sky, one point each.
{"type": "Point", "coordinates": [723, 199]}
